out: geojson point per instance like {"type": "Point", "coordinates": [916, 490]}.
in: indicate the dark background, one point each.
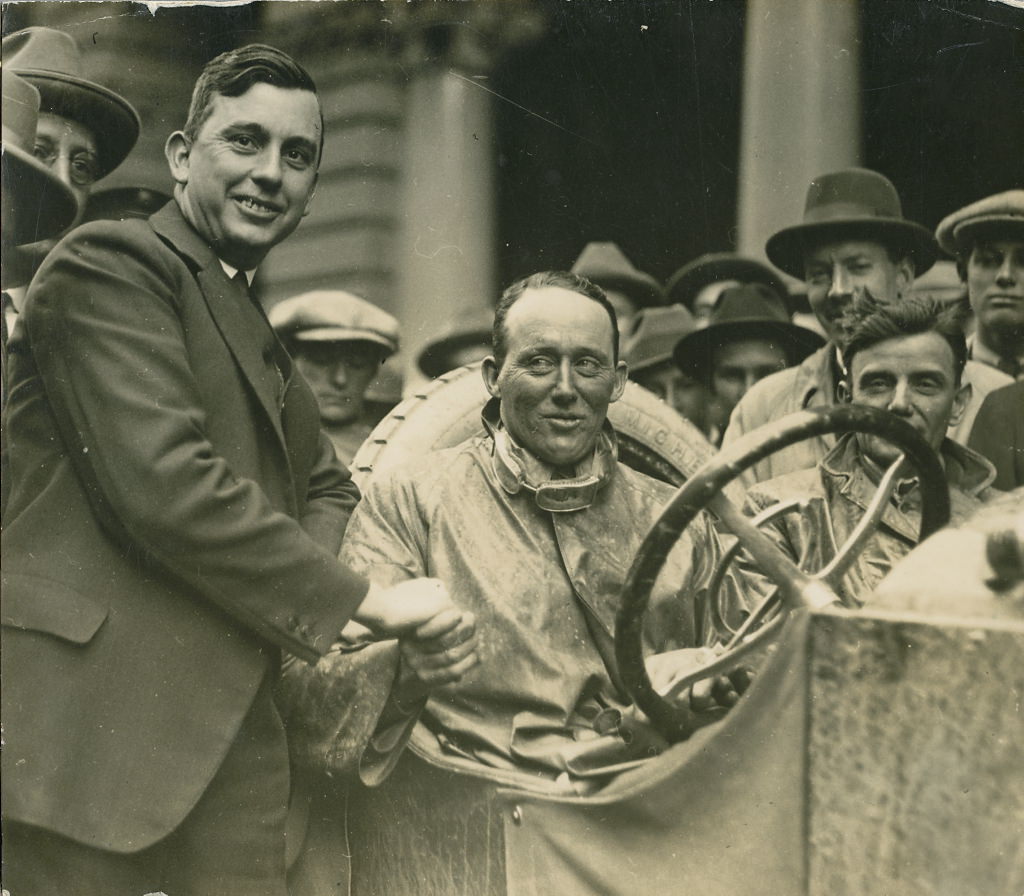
{"type": "Point", "coordinates": [647, 144]}
{"type": "Point", "coordinates": [622, 122]}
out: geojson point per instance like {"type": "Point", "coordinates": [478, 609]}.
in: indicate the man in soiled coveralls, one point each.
{"type": "Point", "coordinates": [533, 527]}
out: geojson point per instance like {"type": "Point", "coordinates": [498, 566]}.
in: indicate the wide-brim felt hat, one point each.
{"type": "Point", "coordinates": [438, 356]}
{"type": "Point", "coordinates": [854, 203]}
{"type": "Point", "coordinates": [655, 334]}
{"type": "Point", "coordinates": [1000, 216]}
{"type": "Point", "coordinates": [607, 265]}
{"type": "Point", "coordinates": [716, 267]}
{"type": "Point", "coordinates": [44, 205]}
{"type": "Point", "coordinates": [750, 311]}
{"type": "Point", "coordinates": [51, 62]}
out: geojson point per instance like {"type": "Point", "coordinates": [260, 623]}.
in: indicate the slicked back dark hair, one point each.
{"type": "Point", "coordinates": [873, 322]}
{"type": "Point", "coordinates": [562, 280]}
{"type": "Point", "coordinates": [234, 72]}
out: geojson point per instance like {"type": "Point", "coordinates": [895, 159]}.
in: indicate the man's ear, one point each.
{"type": "Point", "coordinates": [843, 392]}
{"type": "Point", "coordinates": [960, 402]}
{"type": "Point", "coordinates": [621, 376]}
{"type": "Point", "coordinates": [904, 273]}
{"type": "Point", "coordinates": [489, 371]}
{"type": "Point", "coordinates": [176, 151]}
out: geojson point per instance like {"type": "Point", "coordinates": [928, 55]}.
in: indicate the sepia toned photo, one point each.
{"type": "Point", "coordinates": [512, 448]}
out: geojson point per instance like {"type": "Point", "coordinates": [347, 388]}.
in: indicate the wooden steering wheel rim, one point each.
{"type": "Point", "coordinates": [696, 493]}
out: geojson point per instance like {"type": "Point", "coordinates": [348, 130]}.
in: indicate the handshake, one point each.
{"type": "Point", "coordinates": [437, 640]}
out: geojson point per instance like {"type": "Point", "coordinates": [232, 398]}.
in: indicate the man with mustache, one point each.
{"type": "Point", "coordinates": [853, 239]}
{"type": "Point", "coordinates": [906, 358]}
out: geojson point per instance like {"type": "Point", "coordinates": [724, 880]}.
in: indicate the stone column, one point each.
{"type": "Point", "coordinates": [446, 255]}
{"type": "Point", "coordinates": [445, 247]}
{"type": "Point", "coordinates": [801, 108]}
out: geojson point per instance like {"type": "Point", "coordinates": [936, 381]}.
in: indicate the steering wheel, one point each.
{"type": "Point", "coordinates": [797, 589]}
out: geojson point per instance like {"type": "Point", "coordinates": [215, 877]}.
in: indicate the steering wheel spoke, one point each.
{"type": "Point", "coordinates": [796, 589]}
{"type": "Point", "coordinates": [832, 573]}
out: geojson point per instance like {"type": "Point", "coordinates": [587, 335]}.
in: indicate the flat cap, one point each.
{"type": "Point", "coordinates": [332, 315]}
{"type": "Point", "coordinates": [999, 215]}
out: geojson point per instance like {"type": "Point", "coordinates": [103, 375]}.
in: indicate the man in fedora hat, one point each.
{"type": "Point", "coordinates": [853, 240]}
{"type": "Point", "coordinates": [747, 338]}
{"type": "Point", "coordinates": [84, 131]}
{"type": "Point", "coordinates": [173, 523]}
{"type": "Point", "coordinates": [338, 342]}
{"type": "Point", "coordinates": [627, 288]}
{"type": "Point", "coordinates": [987, 240]}
{"type": "Point", "coordinates": [649, 356]}
{"type": "Point", "coordinates": [36, 203]}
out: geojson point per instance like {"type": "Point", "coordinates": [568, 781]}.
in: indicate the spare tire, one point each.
{"type": "Point", "coordinates": [653, 438]}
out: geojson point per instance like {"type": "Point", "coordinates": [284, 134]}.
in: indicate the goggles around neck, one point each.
{"type": "Point", "coordinates": [553, 495]}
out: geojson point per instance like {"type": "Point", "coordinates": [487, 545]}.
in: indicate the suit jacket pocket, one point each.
{"type": "Point", "coordinates": [31, 603]}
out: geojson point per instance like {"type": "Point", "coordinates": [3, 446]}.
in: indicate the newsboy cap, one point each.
{"type": "Point", "coordinates": [855, 203]}
{"type": "Point", "coordinates": [606, 265]}
{"type": "Point", "coordinates": [1000, 215]}
{"type": "Point", "coordinates": [51, 61]}
{"type": "Point", "coordinates": [333, 315]}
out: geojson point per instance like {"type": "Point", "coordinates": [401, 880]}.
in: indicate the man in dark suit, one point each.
{"type": "Point", "coordinates": [173, 524]}
{"type": "Point", "coordinates": [998, 434]}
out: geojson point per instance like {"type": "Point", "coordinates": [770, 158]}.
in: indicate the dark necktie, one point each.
{"type": "Point", "coordinates": [270, 355]}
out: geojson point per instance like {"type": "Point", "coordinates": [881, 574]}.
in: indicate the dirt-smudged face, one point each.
{"type": "Point", "coordinates": [559, 374]}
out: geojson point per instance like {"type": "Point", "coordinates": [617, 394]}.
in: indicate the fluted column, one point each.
{"type": "Point", "coordinates": [801, 108]}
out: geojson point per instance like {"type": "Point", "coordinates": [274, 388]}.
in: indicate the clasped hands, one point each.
{"type": "Point", "coordinates": [436, 639]}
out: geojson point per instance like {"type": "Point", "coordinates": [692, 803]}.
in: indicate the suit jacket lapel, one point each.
{"type": "Point", "coordinates": [224, 303]}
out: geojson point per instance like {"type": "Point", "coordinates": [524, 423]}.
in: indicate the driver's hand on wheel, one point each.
{"type": "Point", "coordinates": [666, 671]}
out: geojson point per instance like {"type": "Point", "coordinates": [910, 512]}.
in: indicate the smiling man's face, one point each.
{"type": "Point", "coordinates": [559, 374]}
{"type": "Point", "coordinates": [248, 177]}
